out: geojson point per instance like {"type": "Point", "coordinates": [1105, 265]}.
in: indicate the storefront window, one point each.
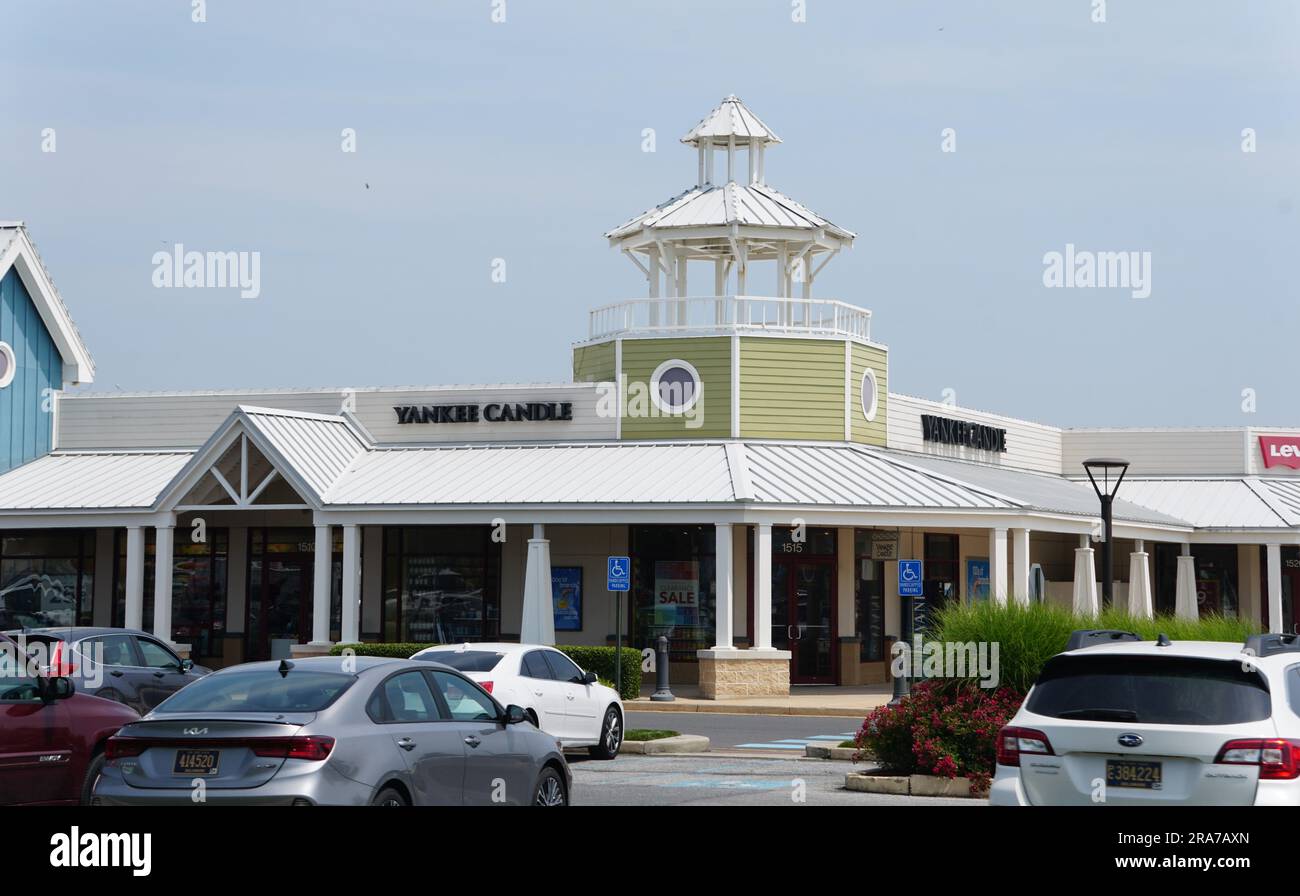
{"type": "Point", "coordinates": [441, 584]}
{"type": "Point", "coordinates": [869, 599]}
{"type": "Point", "coordinates": [199, 574]}
{"type": "Point", "coordinates": [673, 588]}
{"type": "Point", "coordinates": [47, 578]}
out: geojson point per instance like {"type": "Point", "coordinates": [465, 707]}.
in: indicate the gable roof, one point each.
{"type": "Point", "coordinates": [18, 252]}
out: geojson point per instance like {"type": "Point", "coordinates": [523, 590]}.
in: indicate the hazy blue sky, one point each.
{"type": "Point", "coordinates": [523, 141]}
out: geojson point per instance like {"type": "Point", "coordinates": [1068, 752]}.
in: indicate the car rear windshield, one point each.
{"type": "Point", "coordinates": [464, 660]}
{"type": "Point", "coordinates": [259, 692]}
{"type": "Point", "coordinates": [1151, 689]}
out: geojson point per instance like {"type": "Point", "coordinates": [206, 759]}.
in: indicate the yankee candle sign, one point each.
{"type": "Point", "coordinates": [532, 412]}
{"type": "Point", "coordinates": [1280, 451]}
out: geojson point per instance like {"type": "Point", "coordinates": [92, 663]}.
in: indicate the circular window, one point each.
{"type": "Point", "coordinates": [8, 366]}
{"type": "Point", "coordinates": [675, 386]}
{"type": "Point", "coordinates": [870, 395]}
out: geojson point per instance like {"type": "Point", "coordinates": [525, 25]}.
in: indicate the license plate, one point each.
{"type": "Point", "coordinates": [196, 763]}
{"type": "Point", "coordinates": [1134, 773]}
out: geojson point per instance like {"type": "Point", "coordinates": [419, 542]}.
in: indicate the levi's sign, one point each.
{"type": "Point", "coordinates": [1280, 451]}
{"type": "Point", "coordinates": [959, 432]}
{"type": "Point", "coordinates": [503, 412]}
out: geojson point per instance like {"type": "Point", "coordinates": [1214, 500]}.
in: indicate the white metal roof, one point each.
{"type": "Point", "coordinates": [731, 118]}
{"type": "Point", "coordinates": [1208, 503]}
{"type": "Point", "coordinates": [1043, 491]}
{"type": "Point", "coordinates": [606, 473]}
{"type": "Point", "coordinates": [90, 481]}
{"type": "Point", "coordinates": [751, 205]}
{"type": "Point", "coordinates": [1284, 495]}
{"type": "Point", "coordinates": [848, 475]}
{"type": "Point", "coordinates": [318, 447]}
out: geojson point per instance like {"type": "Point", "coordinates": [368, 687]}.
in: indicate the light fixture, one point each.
{"type": "Point", "coordinates": [1110, 471]}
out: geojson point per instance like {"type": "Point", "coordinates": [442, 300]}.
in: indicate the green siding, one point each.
{"type": "Point", "coordinates": [792, 388]}
{"type": "Point", "coordinates": [594, 363]}
{"type": "Point", "coordinates": [873, 432]}
{"type": "Point", "coordinates": [710, 418]}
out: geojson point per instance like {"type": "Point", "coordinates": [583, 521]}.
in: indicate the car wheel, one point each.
{"type": "Point", "coordinates": [550, 789]}
{"type": "Point", "coordinates": [390, 796]}
{"type": "Point", "coordinates": [611, 736]}
{"type": "Point", "coordinates": [92, 775]}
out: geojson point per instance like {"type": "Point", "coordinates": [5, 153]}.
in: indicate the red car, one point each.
{"type": "Point", "coordinates": [51, 738]}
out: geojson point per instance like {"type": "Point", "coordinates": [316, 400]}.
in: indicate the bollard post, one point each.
{"type": "Point", "coordinates": [662, 692]}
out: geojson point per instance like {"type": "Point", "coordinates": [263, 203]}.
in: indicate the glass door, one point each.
{"type": "Point", "coordinates": [803, 618]}
{"type": "Point", "coordinates": [280, 572]}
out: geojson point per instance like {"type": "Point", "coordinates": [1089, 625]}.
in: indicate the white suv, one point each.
{"type": "Point", "coordinates": [1119, 721]}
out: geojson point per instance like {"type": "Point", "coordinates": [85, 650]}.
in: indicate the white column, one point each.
{"type": "Point", "coordinates": [538, 623]}
{"type": "Point", "coordinates": [1020, 566]}
{"type": "Point", "coordinates": [1185, 606]}
{"type": "Point", "coordinates": [134, 577]}
{"type": "Point", "coordinates": [350, 616]}
{"type": "Point", "coordinates": [320, 586]}
{"type": "Point", "coordinates": [724, 627]}
{"type": "Point", "coordinates": [162, 583]}
{"type": "Point", "coordinates": [1085, 583]}
{"type": "Point", "coordinates": [1139, 584]}
{"type": "Point", "coordinates": [1273, 557]}
{"type": "Point", "coordinates": [998, 565]}
{"type": "Point", "coordinates": [763, 586]}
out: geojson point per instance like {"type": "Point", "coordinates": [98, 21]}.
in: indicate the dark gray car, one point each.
{"type": "Point", "coordinates": [334, 731]}
{"type": "Point", "coordinates": [122, 664]}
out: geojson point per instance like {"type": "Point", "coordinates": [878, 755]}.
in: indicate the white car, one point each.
{"type": "Point", "coordinates": [558, 696]}
{"type": "Point", "coordinates": [1123, 722]}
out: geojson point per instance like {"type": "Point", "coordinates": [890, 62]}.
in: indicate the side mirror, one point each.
{"type": "Point", "coordinates": [515, 715]}
{"type": "Point", "coordinates": [52, 689]}
{"type": "Point", "coordinates": [590, 678]}
{"type": "Point", "coordinates": [187, 665]}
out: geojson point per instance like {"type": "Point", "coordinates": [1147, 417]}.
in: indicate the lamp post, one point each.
{"type": "Point", "coordinates": [1107, 469]}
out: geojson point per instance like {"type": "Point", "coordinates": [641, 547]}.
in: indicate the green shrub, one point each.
{"type": "Point", "coordinates": [601, 661]}
{"type": "Point", "coordinates": [592, 659]}
{"type": "Point", "coordinates": [644, 734]}
{"type": "Point", "coordinates": [1028, 636]}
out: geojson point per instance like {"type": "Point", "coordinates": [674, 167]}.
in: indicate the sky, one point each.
{"type": "Point", "coordinates": [522, 140]}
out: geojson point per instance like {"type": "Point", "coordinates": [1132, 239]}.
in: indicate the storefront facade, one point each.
{"type": "Point", "coordinates": [746, 452]}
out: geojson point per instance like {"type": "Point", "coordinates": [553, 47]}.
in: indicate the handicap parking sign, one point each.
{"type": "Point", "coordinates": [909, 578]}
{"type": "Point", "coordinates": [620, 573]}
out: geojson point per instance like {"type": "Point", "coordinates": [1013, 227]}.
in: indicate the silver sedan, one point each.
{"type": "Point", "coordinates": [334, 731]}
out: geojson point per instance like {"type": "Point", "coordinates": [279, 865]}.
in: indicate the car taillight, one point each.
{"type": "Point", "coordinates": [486, 685]}
{"type": "Point", "coordinates": [122, 747]}
{"type": "Point", "coordinates": [1278, 760]}
{"type": "Point", "coordinates": [313, 747]}
{"type": "Point", "coordinates": [1013, 741]}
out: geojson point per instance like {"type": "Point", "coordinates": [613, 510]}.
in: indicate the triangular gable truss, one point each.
{"type": "Point", "coordinates": [20, 254]}
{"type": "Point", "coordinates": [236, 470]}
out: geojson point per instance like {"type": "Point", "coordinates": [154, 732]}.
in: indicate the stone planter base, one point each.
{"type": "Point", "coordinates": [682, 743]}
{"type": "Point", "coordinates": [911, 785]}
{"type": "Point", "coordinates": [818, 751]}
{"type": "Point", "coordinates": [305, 650]}
{"type": "Point", "coordinates": [744, 673]}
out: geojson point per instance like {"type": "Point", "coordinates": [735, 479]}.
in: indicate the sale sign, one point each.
{"type": "Point", "coordinates": [1280, 451]}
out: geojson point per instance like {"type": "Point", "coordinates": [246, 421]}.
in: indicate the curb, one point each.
{"type": "Point", "coordinates": [911, 785]}
{"type": "Point", "coordinates": [682, 743]}
{"type": "Point", "coordinates": [846, 712]}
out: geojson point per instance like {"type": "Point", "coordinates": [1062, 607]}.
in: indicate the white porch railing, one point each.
{"type": "Point", "coordinates": [695, 315]}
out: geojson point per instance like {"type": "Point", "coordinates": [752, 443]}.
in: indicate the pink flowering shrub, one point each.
{"type": "Point", "coordinates": [942, 728]}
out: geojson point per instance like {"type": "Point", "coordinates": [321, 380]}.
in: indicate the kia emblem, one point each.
{"type": "Point", "coordinates": [1130, 740]}
{"type": "Point", "coordinates": [205, 731]}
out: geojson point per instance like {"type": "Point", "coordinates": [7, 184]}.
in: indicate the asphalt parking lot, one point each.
{"type": "Point", "coordinates": [775, 734]}
{"type": "Point", "coordinates": [729, 780]}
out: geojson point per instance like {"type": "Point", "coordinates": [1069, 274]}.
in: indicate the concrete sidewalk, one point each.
{"type": "Point", "coordinates": [804, 700]}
